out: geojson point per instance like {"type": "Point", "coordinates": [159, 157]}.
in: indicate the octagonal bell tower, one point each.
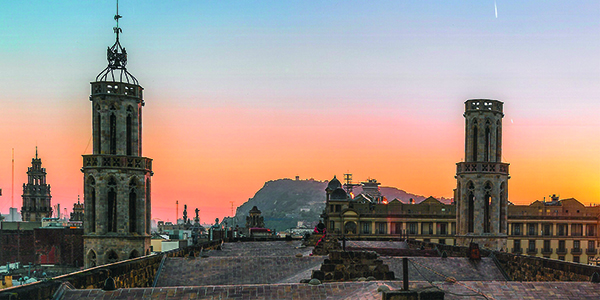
{"type": "Point", "coordinates": [481, 194]}
{"type": "Point", "coordinates": [116, 176]}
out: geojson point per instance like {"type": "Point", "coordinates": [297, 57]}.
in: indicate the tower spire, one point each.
{"type": "Point", "coordinates": [117, 59]}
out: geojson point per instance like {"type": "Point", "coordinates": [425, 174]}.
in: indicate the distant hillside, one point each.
{"type": "Point", "coordinates": [284, 202]}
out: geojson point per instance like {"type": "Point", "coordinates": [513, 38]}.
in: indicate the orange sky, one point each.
{"type": "Point", "coordinates": [238, 94]}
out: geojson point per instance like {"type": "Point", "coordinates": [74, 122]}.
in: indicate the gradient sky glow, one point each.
{"type": "Point", "coordinates": [241, 92]}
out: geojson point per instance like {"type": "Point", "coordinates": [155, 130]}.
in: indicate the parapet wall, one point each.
{"type": "Point", "coordinates": [137, 272]}
{"type": "Point", "coordinates": [524, 267]}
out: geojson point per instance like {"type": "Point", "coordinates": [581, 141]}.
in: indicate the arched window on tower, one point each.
{"type": "Point", "coordinates": [502, 205]}
{"type": "Point", "coordinates": [111, 256]}
{"type": "Point", "coordinates": [113, 134]}
{"type": "Point", "coordinates": [470, 207]}
{"type": "Point", "coordinates": [148, 207]}
{"type": "Point", "coordinates": [487, 204]}
{"type": "Point", "coordinates": [132, 205]}
{"type": "Point", "coordinates": [475, 133]}
{"type": "Point", "coordinates": [129, 131]}
{"type": "Point", "coordinates": [112, 205]}
{"type": "Point", "coordinates": [98, 130]}
{"type": "Point", "coordinates": [488, 141]}
{"type": "Point", "coordinates": [91, 257]}
{"type": "Point", "coordinates": [92, 206]}
{"type": "Point", "coordinates": [498, 142]}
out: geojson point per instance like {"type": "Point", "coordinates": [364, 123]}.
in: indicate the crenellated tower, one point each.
{"type": "Point", "coordinates": [36, 193]}
{"type": "Point", "coordinates": [116, 176]}
{"type": "Point", "coordinates": [481, 194]}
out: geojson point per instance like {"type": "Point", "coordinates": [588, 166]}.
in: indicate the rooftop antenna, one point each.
{"type": "Point", "coordinates": [231, 208]}
{"type": "Point", "coordinates": [349, 185]}
{"type": "Point", "coordinates": [176, 211]}
{"type": "Point", "coordinates": [12, 191]}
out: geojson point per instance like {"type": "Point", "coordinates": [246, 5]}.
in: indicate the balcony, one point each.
{"type": "Point", "coordinates": [576, 251]}
{"type": "Point", "coordinates": [533, 251]}
{"type": "Point", "coordinates": [481, 167]}
{"type": "Point", "coordinates": [516, 250]}
{"type": "Point", "coordinates": [560, 251]}
{"type": "Point", "coordinates": [591, 251]}
{"type": "Point", "coordinates": [101, 161]}
{"type": "Point", "coordinates": [547, 251]}
{"type": "Point", "coordinates": [118, 88]}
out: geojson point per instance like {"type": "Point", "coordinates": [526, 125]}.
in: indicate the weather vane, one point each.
{"type": "Point", "coordinates": [117, 17]}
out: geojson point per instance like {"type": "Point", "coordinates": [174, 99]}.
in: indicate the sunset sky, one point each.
{"type": "Point", "coordinates": [241, 92]}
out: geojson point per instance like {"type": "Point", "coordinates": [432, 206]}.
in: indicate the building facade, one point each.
{"type": "Point", "coordinates": [116, 176]}
{"type": "Point", "coordinates": [36, 193]}
{"type": "Point", "coordinates": [481, 213]}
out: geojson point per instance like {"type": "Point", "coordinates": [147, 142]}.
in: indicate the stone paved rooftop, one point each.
{"type": "Point", "coordinates": [499, 290]}
{"type": "Point", "coordinates": [438, 269]}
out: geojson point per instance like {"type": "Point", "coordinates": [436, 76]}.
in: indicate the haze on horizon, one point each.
{"type": "Point", "coordinates": [240, 93]}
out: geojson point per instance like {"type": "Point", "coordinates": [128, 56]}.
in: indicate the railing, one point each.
{"type": "Point", "coordinates": [547, 251]}
{"type": "Point", "coordinates": [532, 251]}
{"type": "Point", "coordinates": [117, 161]}
{"type": "Point", "coordinates": [589, 251]}
{"type": "Point", "coordinates": [118, 88]}
{"type": "Point", "coordinates": [482, 167]}
{"type": "Point", "coordinates": [560, 251]}
{"type": "Point", "coordinates": [576, 251]}
{"type": "Point", "coordinates": [517, 250]}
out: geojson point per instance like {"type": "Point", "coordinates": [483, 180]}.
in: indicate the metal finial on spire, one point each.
{"type": "Point", "coordinates": [117, 17]}
{"type": "Point", "coordinates": [117, 59]}
{"type": "Point", "coordinates": [36, 152]}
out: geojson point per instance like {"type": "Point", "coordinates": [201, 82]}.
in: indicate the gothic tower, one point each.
{"type": "Point", "coordinates": [116, 176]}
{"type": "Point", "coordinates": [481, 195]}
{"type": "Point", "coordinates": [36, 193]}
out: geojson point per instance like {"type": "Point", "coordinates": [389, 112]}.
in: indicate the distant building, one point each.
{"type": "Point", "coordinates": [36, 193]}
{"type": "Point", "coordinates": [559, 229]}
{"type": "Point", "coordinates": [77, 214]}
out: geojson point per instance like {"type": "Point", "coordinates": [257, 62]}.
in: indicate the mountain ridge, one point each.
{"type": "Point", "coordinates": [284, 202]}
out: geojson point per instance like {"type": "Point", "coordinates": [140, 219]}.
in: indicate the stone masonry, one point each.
{"type": "Point", "coordinates": [352, 265]}
{"type": "Point", "coordinates": [116, 176]}
{"type": "Point", "coordinates": [481, 194]}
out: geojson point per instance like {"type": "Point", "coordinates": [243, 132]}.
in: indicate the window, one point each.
{"type": "Point", "coordinates": [413, 228]}
{"type": "Point", "coordinates": [381, 228]}
{"type": "Point", "coordinates": [547, 248]}
{"type": "Point", "coordinates": [112, 205]}
{"type": "Point", "coordinates": [547, 230]}
{"type": "Point", "coordinates": [562, 257]}
{"type": "Point", "coordinates": [517, 246]}
{"type": "Point", "coordinates": [132, 206]}
{"type": "Point", "coordinates": [576, 245]}
{"type": "Point", "coordinates": [590, 230]}
{"type": "Point", "coordinates": [113, 134]}
{"type": "Point", "coordinates": [516, 229]}
{"type": "Point", "coordinates": [531, 247]}
{"type": "Point", "coordinates": [531, 229]}
{"type": "Point", "coordinates": [442, 228]}
{"type": "Point", "coordinates": [331, 225]}
{"type": "Point", "coordinates": [576, 259]}
{"type": "Point", "coordinates": [591, 245]}
{"type": "Point", "coordinates": [563, 230]}
{"type": "Point", "coordinates": [561, 246]}
{"type": "Point", "coordinates": [366, 227]}
{"type": "Point", "coordinates": [577, 229]}
{"type": "Point", "coordinates": [396, 228]}
{"type": "Point", "coordinates": [442, 241]}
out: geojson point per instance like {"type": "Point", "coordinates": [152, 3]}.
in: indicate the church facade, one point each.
{"type": "Point", "coordinates": [117, 178]}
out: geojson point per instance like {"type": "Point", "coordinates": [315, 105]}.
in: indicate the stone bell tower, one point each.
{"type": "Point", "coordinates": [36, 193]}
{"type": "Point", "coordinates": [116, 175]}
{"type": "Point", "coordinates": [481, 195]}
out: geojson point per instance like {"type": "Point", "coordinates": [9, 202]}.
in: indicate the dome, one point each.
{"type": "Point", "coordinates": [334, 184]}
{"type": "Point", "coordinates": [339, 194]}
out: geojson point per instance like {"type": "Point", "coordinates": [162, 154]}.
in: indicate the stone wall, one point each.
{"type": "Point", "coordinates": [523, 267]}
{"type": "Point", "coordinates": [137, 272]}
{"type": "Point", "coordinates": [352, 265]}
